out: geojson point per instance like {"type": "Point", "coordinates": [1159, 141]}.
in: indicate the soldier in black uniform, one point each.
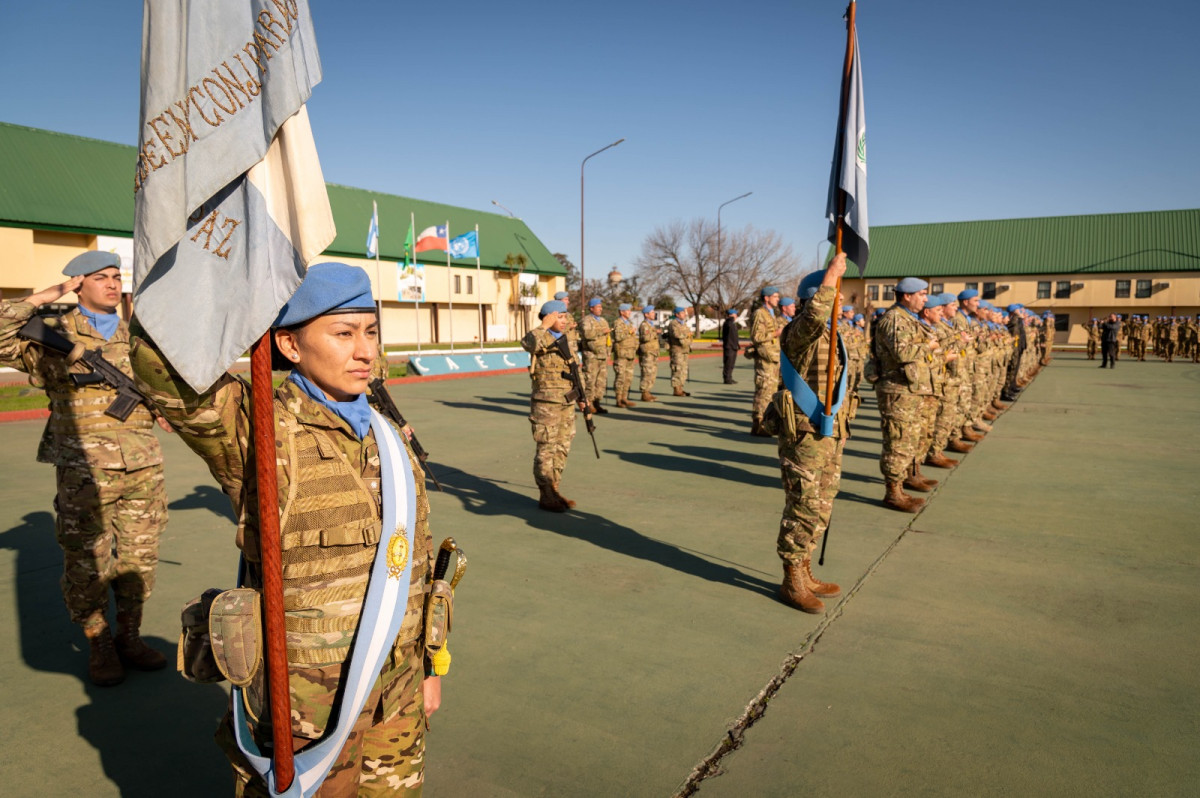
{"type": "Point", "coordinates": [730, 344]}
{"type": "Point", "coordinates": [1110, 332]}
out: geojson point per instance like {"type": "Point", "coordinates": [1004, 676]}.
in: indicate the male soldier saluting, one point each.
{"type": "Point", "coordinates": [679, 346]}
{"type": "Point", "coordinates": [551, 412]}
{"type": "Point", "coordinates": [764, 336]}
{"type": "Point", "coordinates": [594, 334]}
{"type": "Point", "coordinates": [111, 504]}
{"type": "Point", "coordinates": [648, 347]}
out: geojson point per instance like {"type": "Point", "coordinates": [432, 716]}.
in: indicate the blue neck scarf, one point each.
{"type": "Point", "coordinates": [555, 334]}
{"type": "Point", "coordinates": [906, 310]}
{"type": "Point", "coordinates": [104, 323]}
{"type": "Point", "coordinates": [356, 413]}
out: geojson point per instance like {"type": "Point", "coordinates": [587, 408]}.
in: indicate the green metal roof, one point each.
{"type": "Point", "coordinates": [1153, 241]}
{"type": "Point", "coordinates": [55, 181]}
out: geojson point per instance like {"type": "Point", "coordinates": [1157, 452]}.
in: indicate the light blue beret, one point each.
{"type": "Point", "coordinates": [1047, 314]}
{"type": "Point", "coordinates": [594, 301]}
{"type": "Point", "coordinates": [807, 288]}
{"type": "Point", "coordinates": [648, 309]}
{"type": "Point", "coordinates": [561, 295]}
{"type": "Point", "coordinates": [934, 301]}
{"type": "Point", "coordinates": [911, 285]}
{"type": "Point", "coordinates": [90, 262]}
{"type": "Point", "coordinates": [732, 311]}
{"type": "Point", "coordinates": [787, 300]}
{"type": "Point", "coordinates": [553, 306]}
{"type": "Point", "coordinates": [769, 289]}
{"type": "Point", "coordinates": [1013, 308]}
{"type": "Point", "coordinates": [328, 288]}
{"type": "Point", "coordinates": [948, 298]}
{"type": "Point", "coordinates": [680, 309]}
{"type": "Point", "coordinates": [970, 293]}
{"type": "Point", "coordinates": [847, 308]}
{"type": "Point", "coordinates": [858, 317]}
{"type": "Point", "coordinates": [879, 311]}
{"type": "Point", "coordinates": [625, 306]}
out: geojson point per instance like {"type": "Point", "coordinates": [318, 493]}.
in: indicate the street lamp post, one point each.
{"type": "Point", "coordinates": [506, 210]}
{"type": "Point", "coordinates": [719, 207]}
{"type": "Point", "coordinates": [582, 284]}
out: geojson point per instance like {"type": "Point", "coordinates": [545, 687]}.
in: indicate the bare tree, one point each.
{"type": "Point", "coordinates": [681, 259]}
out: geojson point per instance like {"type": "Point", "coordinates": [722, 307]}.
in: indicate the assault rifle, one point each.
{"type": "Point", "coordinates": [577, 393]}
{"type": "Point", "coordinates": [102, 372]}
{"type": "Point", "coordinates": [383, 400]}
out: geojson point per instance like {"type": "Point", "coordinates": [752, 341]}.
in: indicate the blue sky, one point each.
{"type": "Point", "coordinates": [974, 111]}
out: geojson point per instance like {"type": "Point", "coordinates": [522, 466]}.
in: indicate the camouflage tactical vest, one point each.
{"type": "Point", "coordinates": [625, 340]}
{"type": "Point", "coordinates": [595, 332]}
{"type": "Point", "coordinates": [547, 368]}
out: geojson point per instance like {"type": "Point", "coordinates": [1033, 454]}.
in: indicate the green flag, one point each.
{"type": "Point", "coordinates": [408, 243]}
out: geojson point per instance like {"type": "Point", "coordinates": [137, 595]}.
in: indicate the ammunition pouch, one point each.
{"type": "Point", "coordinates": [439, 615]}
{"type": "Point", "coordinates": [222, 637]}
{"type": "Point", "coordinates": [572, 396]}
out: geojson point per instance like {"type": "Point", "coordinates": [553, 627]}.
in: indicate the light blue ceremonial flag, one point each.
{"type": "Point", "coordinates": [230, 205]}
{"type": "Point", "coordinates": [464, 246]}
{"type": "Point", "coordinates": [373, 232]}
{"type": "Point", "coordinates": [848, 176]}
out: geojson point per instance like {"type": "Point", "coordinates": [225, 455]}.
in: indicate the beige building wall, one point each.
{"type": "Point", "coordinates": [34, 259]}
{"type": "Point", "coordinates": [1091, 295]}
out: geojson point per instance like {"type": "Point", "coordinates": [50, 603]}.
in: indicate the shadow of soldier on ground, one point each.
{"type": "Point", "coordinates": [206, 497]}
{"type": "Point", "coordinates": [146, 729]}
{"type": "Point", "coordinates": [487, 497]}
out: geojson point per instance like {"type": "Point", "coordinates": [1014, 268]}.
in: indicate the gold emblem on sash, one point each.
{"type": "Point", "coordinates": [397, 553]}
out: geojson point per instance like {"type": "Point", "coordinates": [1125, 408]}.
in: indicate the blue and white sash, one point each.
{"type": "Point", "coordinates": [382, 614]}
{"type": "Point", "coordinates": [808, 402]}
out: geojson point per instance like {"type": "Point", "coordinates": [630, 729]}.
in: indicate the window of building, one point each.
{"type": "Point", "coordinates": [889, 293]}
{"type": "Point", "coordinates": [1062, 289]}
{"type": "Point", "coordinates": [936, 288]}
{"type": "Point", "coordinates": [1122, 289]}
{"type": "Point", "coordinates": [873, 293]}
{"type": "Point", "coordinates": [470, 284]}
{"type": "Point", "coordinates": [458, 284]}
{"type": "Point", "coordinates": [1143, 289]}
{"type": "Point", "coordinates": [989, 290]}
{"type": "Point", "coordinates": [973, 286]}
{"type": "Point", "coordinates": [1043, 289]}
{"type": "Point", "coordinates": [1062, 323]}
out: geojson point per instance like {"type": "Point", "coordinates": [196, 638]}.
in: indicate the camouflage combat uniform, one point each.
{"type": "Point", "coordinates": [111, 505]}
{"type": "Point", "coordinates": [766, 360]}
{"type": "Point", "coordinates": [679, 345]}
{"type": "Point", "coordinates": [594, 332]}
{"type": "Point", "coordinates": [810, 463]}
{"type": "Point", "coordinates": [904, 382]}
{"type": "Point", "coordinates": [624, 351]}
{"type": "Point", "coordinates": [648, 348]}
{"type": "Point", "coordinates": [551, 413]}
{"type": "Point", "coordinates": [331, 511]}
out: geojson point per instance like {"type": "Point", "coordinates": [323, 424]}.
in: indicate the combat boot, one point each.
{"type": "Point", "coordinates": [104, 666]}
{"type": "Point", "coordinates": [914, 482]}
{"type": "Point", "coordinates": [897, 499]}
{"type": "Point", "coordinates": [960, 446]}
{"type": "Point", "coordinates": [989, 415]}
{"type": "Point", "coordinates": [940, 460]}
{"type": "Point", "coordinates": [983, 426]}
{"type": "Point", "coordinates": [972, 435]}
{"type": "Point", "coordinates": [680, 392]}
{"type": "Point", "coordinates": [627, 402]}
{"type": "Point", "coordinates": [549, 500]}
{"type": "Point", "coordinates": [795, 593]}
{"type": "Point", "coordinates": [648, 397]}
{"type": "Point", "coordinates": [818, 588]}
{"type": "Point", "coordinates": [996, 403]}
{"type": "Point", "coordinates": [570, 504]}
{"type": "Point", "coordinates": [131, 648]}
{"type": "Point", "coordinates": [598, 408]}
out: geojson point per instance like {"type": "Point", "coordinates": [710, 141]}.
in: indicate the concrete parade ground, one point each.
{"type": "Point", "coordinates": [1034, 631]}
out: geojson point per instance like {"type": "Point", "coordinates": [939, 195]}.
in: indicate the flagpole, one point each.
{"type": "Point", "coordinates": [412, 225]}
{"type": "Point", "coordinates": [378, 275]}
{"type": "Point", "coordinates": [450, 285]}
{"type": "Point", "coordinates": [833, 317]}
{"type": "Point", "coordinates": [271, 560]}
{"type": "Point", "coordinates": [478, 287]}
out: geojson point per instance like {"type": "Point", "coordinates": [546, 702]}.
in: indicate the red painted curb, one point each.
{"type": "Point", "coordinates": [23, 415]}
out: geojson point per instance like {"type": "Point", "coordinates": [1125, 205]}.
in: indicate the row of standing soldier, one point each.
{"type": "Point", "coordinates": [1163, 336]}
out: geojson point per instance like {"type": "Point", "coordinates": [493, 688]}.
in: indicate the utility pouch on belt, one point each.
{"type": "Point", "coordinates": [235, 629]}
{"type": "Point", "coordinates": [439, 615]}
{"type": "Point", "coordinates": [194, 656]}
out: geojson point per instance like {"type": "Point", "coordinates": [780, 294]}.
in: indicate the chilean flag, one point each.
{"type": "Point", "coordinates": [432, 238]}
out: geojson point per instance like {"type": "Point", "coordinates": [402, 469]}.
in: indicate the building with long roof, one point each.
{"type": "Point", "coordinates": [61, 195]}
{"type": "Point", "coordinates": [1079, 267]}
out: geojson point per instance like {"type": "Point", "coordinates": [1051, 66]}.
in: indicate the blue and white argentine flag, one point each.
{"type": "Point", "coordinates": [373, 232]}
{"type": "Point", "coordinates": [230, 203]}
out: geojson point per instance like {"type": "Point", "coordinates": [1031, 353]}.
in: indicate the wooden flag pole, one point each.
{"type": "Point", "coordinates": [833, 319]}
{"type": "Point", "coordinates": [271, 556]}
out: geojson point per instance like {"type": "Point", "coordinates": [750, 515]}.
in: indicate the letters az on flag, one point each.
{"type": "Point", "coordinates": [432, 238]}
{"type": "Point", "coordinates": [849, 173]}
{"type": "Point", "coordinates": [465, 246]}
{"type": "Point", "coordinates": [373, 232]}
{"type": "Point", "coordinates": [230, 203]}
